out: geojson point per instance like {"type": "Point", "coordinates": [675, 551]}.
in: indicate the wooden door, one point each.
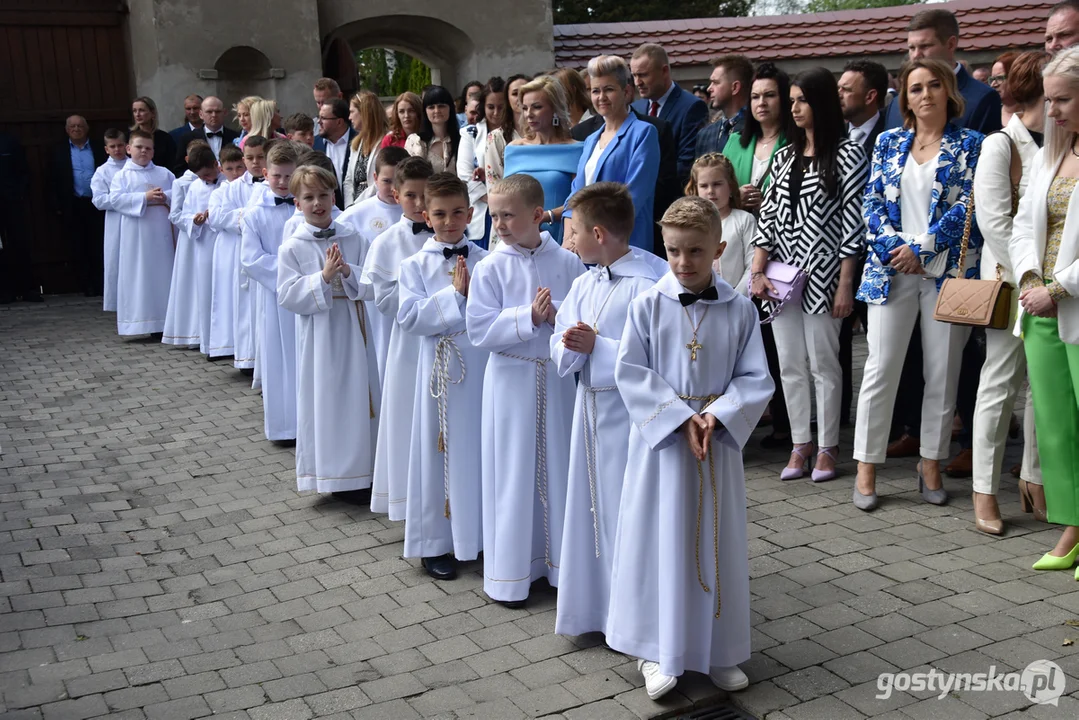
{"type": "Point", "coordinates": [59, 58]}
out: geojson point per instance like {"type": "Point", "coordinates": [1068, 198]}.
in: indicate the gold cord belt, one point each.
{"type": "Point", "coordinates": [439, 386]}
{"type": "Point", "coordinates": [705, 402]}
{"type": "Point", "coordinates": [361, 316]}
{"type": "Point", "coordinates": [591, 448]}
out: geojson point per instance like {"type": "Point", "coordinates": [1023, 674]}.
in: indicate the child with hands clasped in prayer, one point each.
{"type": "Point", "coordinates": [318, 279]}
{"type": "Point", "coordinates": [443, 522]}
{"type": "Point", "coordinates": [512, 306]}
{"type": "Point", "coordinates": [587, 331]}
{"type": "Point", "coordinates": [692, 373]}
{"type": "Point", "coordinates": [402, 240]}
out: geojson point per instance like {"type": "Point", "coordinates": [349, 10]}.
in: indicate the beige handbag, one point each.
{"type": "Point", "coordinates": [978, 303]}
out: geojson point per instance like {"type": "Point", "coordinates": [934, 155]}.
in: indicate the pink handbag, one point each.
{"type": "Point", "coordinates": [789, 282]}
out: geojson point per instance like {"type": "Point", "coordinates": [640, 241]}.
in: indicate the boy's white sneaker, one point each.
{"type": "Point", "coordinates": [656, 683]}
{"type": "Point", "coordinates": [728, 678]}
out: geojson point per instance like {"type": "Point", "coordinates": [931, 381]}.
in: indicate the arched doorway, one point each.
{"type": "Point", "coordinates": [243, 70]}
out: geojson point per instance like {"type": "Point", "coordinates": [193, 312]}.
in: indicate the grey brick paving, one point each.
{"type": "Point", "coordinates": [156, 563]}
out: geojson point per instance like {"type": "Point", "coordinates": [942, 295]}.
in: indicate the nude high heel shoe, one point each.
{"type": "Point", "coordinates": [989, 526]}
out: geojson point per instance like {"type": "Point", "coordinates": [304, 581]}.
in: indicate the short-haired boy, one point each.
{"type": "Point", "coordinates": [318, 279]}
{"type": "Point", "coordinates": [182, 316]}
{"type": "Point", "coordinates": [226, 257]}
{"type": "Point", "coordinates": [588, 328]}
{"type": "Point", "coordinates": [381, 270]}
{"type": "Point", "coordinates": [196, 211]}
{"type": "Point", "coordinates": [264, 220]}
{"type": "Point", "coordinates": [525, 435]}
{"type": "Point", "coordinates": [140, 192]}
{"type": "Point", "coordinates": [226, 216]}
{"type": "Point", "coordinates": [692, 373]}
{"type": "Point", "coordinates": [116, 149]}
{"type": "Point", "coordinates": [443, 521]}
{"type": "Point", "coordinates": [370, 217]}
{"type": "Point", "coordinates": [300, 128]}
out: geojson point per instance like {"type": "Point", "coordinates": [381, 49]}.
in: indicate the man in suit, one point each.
{"type": "Point", "coordinates": [72, 167]}
{"type": "Point", "coordinates": [212, 130]}
{"type": "Point", "coordinates": [16, 271]}
{"type": "Point", "coordinates": [1062, 27]}
{"type": "Point", "coordinates": [863, 95]}
{"type": "Point", "coordinates": [662, 97]}
{"type": "Point", "coordinates": [667, 188]}
{"type": "Point", "coordinates": [192, 117]}
{"type": "Point", "coordinates": [729, 87]}
{"type": "Point", "coordinates": [326, 89]}
{"type": "Point", "coordinates": [934, 34]}
{"type": "Point", "coordinates": [335, 140]}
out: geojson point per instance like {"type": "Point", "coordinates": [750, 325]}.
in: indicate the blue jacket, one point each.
{"type": "Point", "coordinates": [632, 157]}
{"type": "Point", "coordinates": [982, 112]}
{"type": "Point", "coordinates": [952, 188]}
{"type": "Point", "coordinates": [687, 114]}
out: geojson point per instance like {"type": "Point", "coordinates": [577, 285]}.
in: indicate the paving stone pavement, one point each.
{"type": "Point", "coordinates": [156, 562]}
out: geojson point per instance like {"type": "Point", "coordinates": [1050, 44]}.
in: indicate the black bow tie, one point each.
{"type": "Point", "coordinates": [323, 234]}
{"type": "Point", "coordinates": [418, 227]}
{"type": "Point", "coordinates": [219, 134]}
{"type": "Point", "coordinates": [708, 293]}
{"type": "Point", "coordinates": [282, 201]}
{"type": "Point", "coordinates": [450, 252]}
{"type": "Point", "coordinates": [258, 179]}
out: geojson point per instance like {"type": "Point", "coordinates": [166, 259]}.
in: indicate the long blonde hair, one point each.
{"type": "Point", "coordinates": [716, 160]}
{"type": "Point", "coordinates": [1058, 141]}
{"type": "Point", "coordinates": [262, 112]}
{"type": "Point", "coordinates": [246, 102]}
{"type": "Point", "coordinates": [556, 96]}
{"type": "Point", "coordinates": [372, 122]}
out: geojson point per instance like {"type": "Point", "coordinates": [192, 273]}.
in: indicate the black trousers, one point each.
{"type": "Point", "coordinates": [84, 226]}
{"type": "Point", "coordinates": [846, 359]}
{"type": "Point", "coordinates": [781, 422]}
{"type": "Point", "coordinates": [16, 270]}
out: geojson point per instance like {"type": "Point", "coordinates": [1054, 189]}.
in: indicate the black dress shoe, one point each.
{"type": "Point", "coordinates": [157, 336]}
{"type": "Point", "coordinates": [355, 497]}
{"type": "Point", "coordinates": [512, 604]}
{"type": "Point", "coordinates": [7, 299]}
{"type": "Point", "coordinates": [776, 441]}
{"type": "Point", "coordinates": [284, 443]}
{"type": "Point", "coordinates": [247, 371]}
{"type": "Point", "coordinates": [443, 567]}
{"type": "Point", "coordinates": [34, 297]}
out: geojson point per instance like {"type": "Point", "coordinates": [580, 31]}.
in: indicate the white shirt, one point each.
{"type": "Point", "coordinates": [214, 142]}
{"type": "Point", "coordinates": [662, 101]}
{"type": "Point", "coordinates": [336, 152]}
{"type": "Point", "coordinates": [864, 129]}
{"type": "Point", "coordinates": [916, 191]}
{"type": "Point", "coordinates": [590, 166]}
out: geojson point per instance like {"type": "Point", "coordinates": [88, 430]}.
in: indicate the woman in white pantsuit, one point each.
{"type": "Point", "coordinates": [1006, 156]}
{"type": "Point", "coordinates": [811, 218]}
{"type": "Point", "coordinates": [915, 209]}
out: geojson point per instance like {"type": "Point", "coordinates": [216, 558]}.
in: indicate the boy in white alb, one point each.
{"type": "Point", "coordinates": [692, 373]}
{"type": "Point", "coordinates": [588, 327]}
{"type": "Point", "coordinates": [381, 269]}
{"type": "Point", "coordinates": [227, 218]}
{"type": "Point", "coordinates": [203, 237]}
{"type": "Point", "coordinates": [318, 275]}
{"type": "Point", "coordinates": [140, 192]}
{"type": "Point", "coordinates": [444, 518]}
{"type": "Point", "coordinates": [264, 220]}
{"type": "Point", "coordinates": [226, 257]}
{"type": "Point", "coordinates": [100, 183]}
{"type": "Point", "coordinates": [527, 407]}
{"type": "Point", "coordinates": [370, 218]}
{"type": "Point", "coordinates": [182, 316]}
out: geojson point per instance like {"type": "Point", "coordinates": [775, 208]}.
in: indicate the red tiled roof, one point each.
{"type": "Point", "coordinates": [986, 25]}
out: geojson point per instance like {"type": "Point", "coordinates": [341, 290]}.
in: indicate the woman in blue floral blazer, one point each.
{"type": "Point", "coordinates": [920, 186]}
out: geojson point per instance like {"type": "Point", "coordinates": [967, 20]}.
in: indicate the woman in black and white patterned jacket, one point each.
{"type": "Point", "coordinates": [811, 217]}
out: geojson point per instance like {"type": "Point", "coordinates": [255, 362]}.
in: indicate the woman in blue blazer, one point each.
{"type": "Point", "coordinates": [916, 203]}
{"type": "Point", "coordinates": [624, 150]}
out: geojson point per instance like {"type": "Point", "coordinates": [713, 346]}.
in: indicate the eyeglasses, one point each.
{"type": "Point", "coordinates": [997, 78]}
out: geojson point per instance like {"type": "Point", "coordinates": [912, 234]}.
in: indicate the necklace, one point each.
{"type": "Point", "coordinates": [693, 346]}
{"type": "Point", "coordinates": [923, 146]}
{"type": "Point", "coordinates": [1076, 154]}
{"type": "Point", "coordinates": [597, 313]}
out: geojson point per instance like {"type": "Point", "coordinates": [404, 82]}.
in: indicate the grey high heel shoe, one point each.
{"type": "Point", "coordinates": [865, 502]}
{"type": "Point", "coordinates": [933, 497]}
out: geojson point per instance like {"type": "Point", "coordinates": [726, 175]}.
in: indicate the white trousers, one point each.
{"type": "Point", "coordinates": [888, 334]}
{"type": "Point", "coordinates": [1002, 377]}
{"type": "Point", "coordinates": [808, 347]}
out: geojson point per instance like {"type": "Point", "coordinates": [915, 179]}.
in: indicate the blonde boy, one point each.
{"type": "Point", "coordinates": [525, 436]}
{"type": "Point", "coordinates": [692, 373]}
{"type": "Point", "coordinates": [318, 279]}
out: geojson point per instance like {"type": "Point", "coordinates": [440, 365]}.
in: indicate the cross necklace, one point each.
{"type": "Point", "coordinates": [597, 313]}
{"type": "Point", "coordinates": [693, 346]}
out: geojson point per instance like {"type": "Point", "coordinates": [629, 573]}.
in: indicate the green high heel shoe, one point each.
{"type": "Point", "coordinates": [1052, 562]}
